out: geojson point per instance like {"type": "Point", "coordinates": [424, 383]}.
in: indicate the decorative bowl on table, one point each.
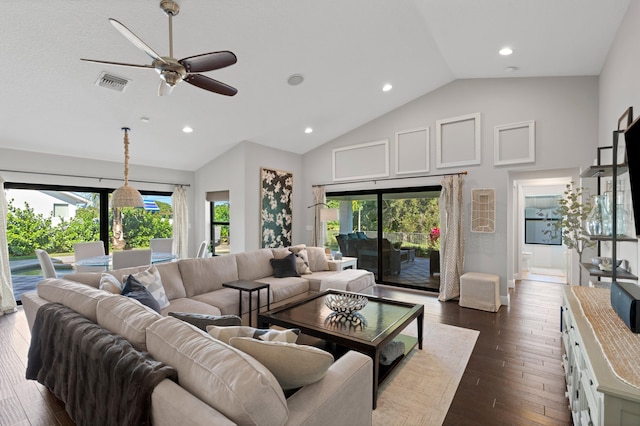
{"type": "Point", "coordinates": [598, 261]}
{"type": "Point", "coordinates": [345, 303]}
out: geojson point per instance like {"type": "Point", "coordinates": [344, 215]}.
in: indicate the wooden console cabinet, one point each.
{"type": "Point", "coordinates": [596, 395]}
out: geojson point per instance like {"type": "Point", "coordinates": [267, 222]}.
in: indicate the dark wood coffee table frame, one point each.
{"type": "Point", "coordinates": [309, 315]}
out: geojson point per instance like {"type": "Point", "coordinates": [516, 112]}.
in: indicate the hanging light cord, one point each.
{"type": "Point", "coordinates": [126, 155]}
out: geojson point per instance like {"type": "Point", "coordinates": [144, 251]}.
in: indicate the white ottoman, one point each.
{"type": "Point", "coordinates": [480, 291]}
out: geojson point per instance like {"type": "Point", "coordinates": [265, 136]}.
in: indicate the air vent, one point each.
{"type": "Point", "coordinates": [112, 82]}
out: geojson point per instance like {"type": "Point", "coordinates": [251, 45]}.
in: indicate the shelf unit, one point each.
{"type": "Point", "coordinates": [612, 170]}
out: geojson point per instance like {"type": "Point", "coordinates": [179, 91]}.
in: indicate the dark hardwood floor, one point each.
{"type": "Point", "coordinates": [514, 376]}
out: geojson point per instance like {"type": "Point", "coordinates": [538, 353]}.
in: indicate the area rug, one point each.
{"type": "Point", "coordinates": [420, 390]}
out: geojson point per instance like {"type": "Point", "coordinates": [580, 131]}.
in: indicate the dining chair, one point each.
{"type": "Point", "coordinates": [89, 249]}
{"type": "Point", "coordinates": [202, 250]}
{"type": "Point", "coordinates": [46, 264]}
{"type": "Point", "coordinates": [129, 258]}
{"type": "Point", "coordinates": [161, 245]}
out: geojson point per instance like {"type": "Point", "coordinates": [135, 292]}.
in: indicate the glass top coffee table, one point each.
{"type": "Point", "coordinates": [377, 324]}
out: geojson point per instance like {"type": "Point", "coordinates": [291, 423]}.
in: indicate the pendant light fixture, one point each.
{"type": "Point", "coordinates": [126, 196]}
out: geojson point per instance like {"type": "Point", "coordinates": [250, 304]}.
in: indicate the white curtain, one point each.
{"type": "Point", "coordinates": [7, 299]}
{"type": "Point", "coordinates": [317, 240]}
{"type": "Point", "coordinates": [451, 237]}
{"type": "Point", "coordinates": [180, 222]}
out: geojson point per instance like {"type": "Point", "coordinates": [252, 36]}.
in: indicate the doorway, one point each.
{"type": "Point", "coordinates": [533, 256]}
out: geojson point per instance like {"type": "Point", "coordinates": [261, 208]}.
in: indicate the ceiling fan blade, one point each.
{"type": "Point", "coordinates": [209, 61]}
{"type": "Point", "coordinates": [210, 84]}
{"type": "Point", "coordinates": [120, 64]}
{"type": "Point", "coordinates": [164, 89]}
{"type": "Point", "coordinates": [136, 40]}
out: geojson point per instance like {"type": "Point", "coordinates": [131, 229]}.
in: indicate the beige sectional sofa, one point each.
{"type": "Point", "coordinates": [243, 391]}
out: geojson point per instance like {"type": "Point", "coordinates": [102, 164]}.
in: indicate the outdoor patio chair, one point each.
{"type": "Point", "coordinates": [129, 258]}
{"type": "Point", "coordinates": [161, 245]}
{"type": "Point", "coordinates": [46, 264]}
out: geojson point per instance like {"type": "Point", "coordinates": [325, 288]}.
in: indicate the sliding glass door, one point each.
{"type": "Point", "coordinates": [393, 232]}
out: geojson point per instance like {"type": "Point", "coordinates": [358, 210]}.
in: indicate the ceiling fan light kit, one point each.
{"type": "Point", "coordinates": [171, 70]}
{"type": "Point", "coordinates": [126, 196]}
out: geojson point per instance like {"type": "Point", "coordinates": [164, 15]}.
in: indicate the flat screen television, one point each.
{"type": "Point", "coordinates": [632, 144]}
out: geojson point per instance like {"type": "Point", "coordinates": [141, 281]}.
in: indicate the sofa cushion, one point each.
{"type": "Point", "coordinates": [79, 297]}
{"type": "Point", "coordinates": [268, 334]}
{"type": "Point", "coordinates": [202, 321]}
{"type": "Point", "coordinates": [228, 380]}
{"type": "Point", "coordinates": [286, 267]}
{"type": "Point", "coordinates": [202, 275]}
{"type": "Point", "coordinates": [150, 279]}
{"type": "Point", "coordinates": [171, 280]}
{"type": "Point", "coordinates": [280, 252]}
{"type": "Point", "coordinates": [295, 249]}
{"type": "Point", "coordinates": [293, 365]}
{"type": "Point", "coordinates": [184, 304]}
{"type": "Point", "coordinates": [317, 259]}
{"type": "Point", "coordinates": [254, 264]}
{"type": "Point", "coordinates": [227, 299]}
{"type": "Point", "coordinates": [127, 318]}
{"type": "Point", "coordinates": [284, 288]}
{"type": "Point", "coordinates": [89, 278]}
{"type": "Point", "coordinates": [302, 262]}
{"type": "Point", "coordinates": [110, 283]}
{"type": "Point", "coordinates": [134, 289]}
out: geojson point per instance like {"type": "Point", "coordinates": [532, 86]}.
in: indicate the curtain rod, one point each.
{"type": "Point", "coordinates": [92, 177]}
{"type": "Point", "coordinates": [393, 178]}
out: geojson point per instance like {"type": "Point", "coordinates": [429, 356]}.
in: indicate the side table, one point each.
{"type": "Point", "coordinates": [250, 287]}
{"type": "Point", "coordinates": [345, 263]}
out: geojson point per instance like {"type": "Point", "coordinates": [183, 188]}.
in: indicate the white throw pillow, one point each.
{"type": "Point", "coordinates": [224, 334]}
{"type": "Point", "coordinates": [292, 365]}
{"type": "Point", "coordinates": [302, 262]}
{"type": "Point", "coordinates": [317, 259]}
{"type": "Point", "coordinates": [150, 278]}
{"type": "Point", "coordinates": [110, 283]}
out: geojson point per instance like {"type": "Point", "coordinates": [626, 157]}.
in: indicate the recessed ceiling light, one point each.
{"type": "Point", "coordinates": [144, 119]}
{"type": "Point", "coordinates": [295, 79]}
{"type": "Point", "coordinates": [506, 51]}
{"type": "Point", "coordinates": [187, 129]}
{"type": "Point", "coordinates": [308, 130]}
{"type": "Point", "coordinates": [387, 87]}
{"type": "Point", "coordinates": [511, 69]}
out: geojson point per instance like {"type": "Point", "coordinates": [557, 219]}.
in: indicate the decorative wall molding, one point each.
{"type": "Point", "coordinates": [362, 161]}
{"type": "Point", "coordinates": [483, 210]}
{"type": "Point", "coordinates": [412, 151]}
{"type": "Point", "coordinates": [458, 141]}
{"type": "Point", "coordinates": [514, 143]}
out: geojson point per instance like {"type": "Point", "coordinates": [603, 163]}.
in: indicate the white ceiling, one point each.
{"type": "Point", "coordinates": [346, 49]}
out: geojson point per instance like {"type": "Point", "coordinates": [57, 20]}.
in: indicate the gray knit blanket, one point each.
{"type": "Point", "coordinates": [99, 376]}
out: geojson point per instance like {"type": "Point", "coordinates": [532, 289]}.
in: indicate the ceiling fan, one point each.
{"type": "Point", "coordinates": [171, 70]}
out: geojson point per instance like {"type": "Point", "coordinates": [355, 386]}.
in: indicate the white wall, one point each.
{"type": "Point", "coordinates": [620, 89]}
{"type": "Point", "coordinates": [35, 166]}
{"type": "Point", "coordinates": [238, 171]}
{"type": "Point", "coordinates": [565, 110]}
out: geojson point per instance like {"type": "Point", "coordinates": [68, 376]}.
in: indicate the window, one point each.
{"type": "Point", "coordinates": [61, 210]}
{"type": "Point", "coordinates": [219, 228]}
{"type": "Point", "coordinates": [541, 220]}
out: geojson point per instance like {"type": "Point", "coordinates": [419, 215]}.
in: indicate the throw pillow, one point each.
{"type": "Point", "coordinates": [135, 290]}
{"type": "Point", "coordinates": [110, 283]}
{"type": "Point", "coordinates": [202, 321]}
{"type": "Point", "coordinates": [302, 262]}
{"type": "Point", "coordinates": [284, 267]}
{"type": "Point", "coordinates": [292, 365]}
{"type": "Point", "coordinates": [151, 280]}
{"type": "Point", "coordinates": [317, 259]}
{"type": "Point", "coordinates": [224, 334]}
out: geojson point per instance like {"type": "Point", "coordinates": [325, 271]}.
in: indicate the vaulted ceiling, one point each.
{"type": "Point", "coordinates": [345, 49]}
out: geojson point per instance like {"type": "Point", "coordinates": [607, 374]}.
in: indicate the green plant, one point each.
{"type": "Point", "coordinates": [572, 225]}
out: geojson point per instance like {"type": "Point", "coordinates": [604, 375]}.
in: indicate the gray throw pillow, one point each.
{"type": "Point", "coordinates": [136, 290]}
{"type": "Point", "coordinates": [285, 267]}
{"type": "Point", "coordinates": [202, 321]}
